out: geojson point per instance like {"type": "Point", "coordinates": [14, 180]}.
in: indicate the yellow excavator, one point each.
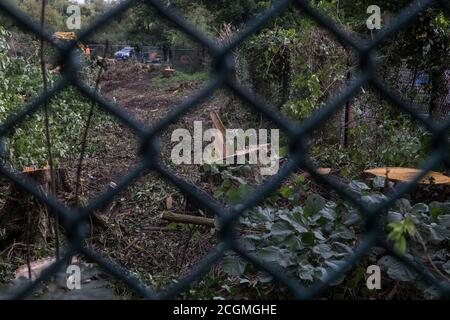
{"type": "Point", "coordinates": [69, 36]}
{"type": "Point", "coordinates": [64, 37]}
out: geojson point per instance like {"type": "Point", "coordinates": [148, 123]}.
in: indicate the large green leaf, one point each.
{"type": "Point", "coordinates": [294, 243]}
{"type": "Point", "coordinates": [420, 208]}
{"type": "Point", "coordinates": [306, 272]}
{"type": "Point", "coordinates": [233, 265]}
{"type": "Point", "coordinates": [261, 214]}
{"type": "Point", "coordinates": [323, 250]}
{"type": "Point", "coordinates": [396, 270]}
{"type": "Point", "coordinates": [343, 232]}
{"type": "Point", "coordinates": [394, 216]}
{"type": "Point", "coordinates": [353, 217]}
{"type": "Point", "coordinates": [294, 221]}
{"type": "Point", "coordinates": [269, 254]}
{"type": "Point", "coordinates": [239, 194]}
{"type": "Point", "coordinates": [358, 187]}
{"type": "Point", "coordinates": [342, 248]}
{"type": "Point", "coordinates": [281, 229]}
{"type": "Point", "coordinates": [318, 235]}
{"type": "Point", "coordinates": [328, 212]}
{"type": "Point", "coordinates": [314, 204]}
{"type": "Point", "coordinates": [308, 238]}
{"type": "Point", "coordinates": [275, 255]}
{"type": "Point", "coordinates": [438, 233]}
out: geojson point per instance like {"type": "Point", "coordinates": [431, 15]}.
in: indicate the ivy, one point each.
{"type": "Point", "coordinates": [311, 241]}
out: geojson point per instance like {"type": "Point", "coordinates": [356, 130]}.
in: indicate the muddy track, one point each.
{"type": "Point", "coordinates": [128, 235]}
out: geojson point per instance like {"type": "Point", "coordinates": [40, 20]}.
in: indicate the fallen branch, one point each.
{"type": "Point", "coordinates": [184, 218]}
{"type": "Point", "coordinates": [189, 219]}
{"type": "Point", "coordinates": [160, 229]}
{"type": "Point", "coordinates": [425, 251]}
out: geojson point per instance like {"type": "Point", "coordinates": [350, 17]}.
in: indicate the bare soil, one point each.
{"type": "Point", "coordinates": [130, 236]}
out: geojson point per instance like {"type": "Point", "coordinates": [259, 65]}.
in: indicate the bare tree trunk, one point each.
{"type": "Point", "coordinates": [348, 106]}
{"type": "Point", "coordinates": [22, 217]}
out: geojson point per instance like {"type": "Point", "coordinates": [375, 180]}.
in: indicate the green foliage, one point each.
{"type": "Point", "coordinates": [413, 228]}
{"type": "Point", "coordinates": [400, 230]}
{"type": "Point", "coordinates": [312, 241]}
{"type": "Point", "coordinates": [20, 83]}
{"type": "Point", "coordinates": [304, 245]}
{"type": "Point", "coordinates": [295, 65]}
{"type": "Point", "coordinates": [237, 13]}
{"type": "Point", "coordinates": [54, 13]}
{"type": "Point", "coordinates": [179, 77]}
{"type": "Point", "coordinates": [201, 17]}
{"type": "Point", "coordinates": [145, 24]}
{"type": "Point", "coordinates": [423, 46]}
{"type": "Point", "coordinates": [390, 140]}
{"type": "Point", "coordinates": [232, 188]}
{"type": "Point", "coordinates": [267, 56]}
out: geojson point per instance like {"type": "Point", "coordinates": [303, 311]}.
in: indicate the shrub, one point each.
{"type": "Point", "coordinates": [20, 83]}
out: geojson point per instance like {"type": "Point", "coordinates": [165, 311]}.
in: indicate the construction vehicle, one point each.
{"type": "Point", "coordinates": [66, 37]}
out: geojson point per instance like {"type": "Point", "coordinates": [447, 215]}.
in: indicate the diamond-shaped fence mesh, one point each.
{"type": "Point", "coordinates": [222, 76]}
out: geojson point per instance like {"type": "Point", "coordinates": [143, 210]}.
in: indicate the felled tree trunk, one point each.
{"type": "Point", "coordinates": [25, 219]}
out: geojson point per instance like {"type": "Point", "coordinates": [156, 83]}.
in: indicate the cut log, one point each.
{"type": "Point", "coordinates": [218, 124]}
{"type": "Point", "coordinates": [247, 151]}
{"type": "Point", "coordinates": [184, 218]}
{"type": "Point", "coordinates": [42, 177]}
{"type": "Point", "coordinates": [200, 221]}
{"type": "Point", "coordinates": [322, 171]}
{"type": "Point", "coordinates": [408, 174]}
{"type": "Point", "coordinates": [22, 217]}
{"type": "Point", "coordinates": [219, 141]}
{"type": "Point", "coordinates": [226, 151]}
{"type": "Point", "coordinates": [167, 72]}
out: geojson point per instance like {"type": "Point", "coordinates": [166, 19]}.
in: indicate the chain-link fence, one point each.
{"type": "Point", "coordinates": [73, 219]}
{"type": "Point", "coordinates": [416, 84]}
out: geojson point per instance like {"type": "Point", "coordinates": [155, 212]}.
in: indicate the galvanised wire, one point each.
{"type": "Point", "coordinates": [74, 219]}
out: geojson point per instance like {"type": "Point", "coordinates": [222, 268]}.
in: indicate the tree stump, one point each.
{"type": "Point", "coordinates": [167, 72]}
{"type": "Point", "coordinates": [23, 218]}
